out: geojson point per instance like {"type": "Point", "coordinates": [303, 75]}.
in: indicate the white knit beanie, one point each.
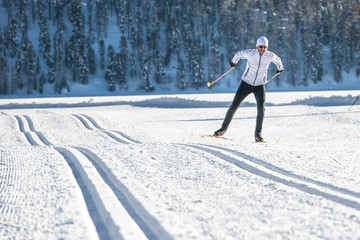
{"type": "Point", "coordinates": [262, 41]}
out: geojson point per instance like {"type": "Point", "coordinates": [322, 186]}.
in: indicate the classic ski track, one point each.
{"type": "Point", "coordinates": [300, 185]}
{"type": "Point", "coordinates": [96, 125]}
{"type": "Point", "coordinates": [149, 227]}
{"type": "Point", "coordinates": [288, 173]}
{"type": "Point", "coordinates": [27, 134]}
{"type": "Point", "coordinates": [88, 121]}
{"type": "Point", "coordinates": [39, 134]}
{"type": "Point", "coordinates": [147, 223]}
{"type": "Point", "coordinates": [88, 194]}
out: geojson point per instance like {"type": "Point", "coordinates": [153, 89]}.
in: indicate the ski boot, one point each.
{"type": "Point", "coordinates": [220, 132]}
{"type": "Point", "coordinates": [258, 137]}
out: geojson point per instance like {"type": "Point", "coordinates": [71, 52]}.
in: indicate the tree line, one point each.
{"type": "Point", "coordinates": [182, 43]}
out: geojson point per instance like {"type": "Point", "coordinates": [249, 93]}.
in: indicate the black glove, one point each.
{"type": "Point", "coordinates": [232, 64]}
{"type": "Point", "coordinates": [279, 71]}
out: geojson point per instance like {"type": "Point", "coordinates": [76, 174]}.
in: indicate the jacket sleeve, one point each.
{"type": "Point", "coordinates": [240, 55]}
{"type": "Point", "coordinates": [278, 62]}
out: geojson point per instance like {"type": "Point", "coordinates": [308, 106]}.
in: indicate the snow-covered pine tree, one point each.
{"type": "Point", "coordinates": [59, 44]}
{"type": "Point", "coordinates": [102, 54]}
{"type": "Point", "coordinates": [159, 69]}
{"type": "Point", "coordinates": [101, 18]}
{"type": "Point", "coordinates": [133, 73]}
{"type": "Point", "coordinates": [147, 76]}
{"type": "Point", "coordinates": [197, 65]}
{"type": "Point", "coordinates": [109, 77]}
{"type": "Point", "coordinates": [11, 39]}
{"type": "Point", "coordinates": [302, 30]}
{"type": "Point", "coordinates": [18, 76]}
{"type": "Point", "coordinates": [180, 74]}
{"type": "Point", "coordinates": [325, 23]}
{"type": "Point", "coordinates": [3, 50]}
{"type": "Point", "coordinates": [316, 69]}
{"type": "Point", "coordinates": [122, 15]}
{"type": "Point", "coordinates": [348, 31]}
{"type": "Point", "coordinates": [59, 9]}
{"type": "Point", "coordinates": [230, 27]}
{"type": "Point", "coordinates": [250, 35]}
{"type": "Point", "coordinates": [3, 76]}
{"type": "Point", "coordinates": [13, 79]}
{"type": "Point", "coordinates": [312, 44]}
{"type": "Point", "coordinates": [292, 63]}
{"type": "Point", "coordinates": [24, 15]}
{"type": "Point", "coordinates": [337, 41]}
{"type": "Point", "coordinates": [30, 68]}
{"type": "Point", "coordinates": [214, 58]}
{"type": "Point", "coordinates": [140, 53]}
{"type": "Point", "coordinates": [44, 41]}
{"type": "Point", "coordinates": [147, 11]}
{"type": "Point", "coordinates": [44, 35]}
{"type": "Point", "coordinates": [172, 39]}
{"type": "Point", "coordinates": [132, 37]}
{"type": "Point", "coordinates": [110, 68]}
{"type": "Point", "coordinates": [110, 54]}
{"type": "Point", "coordinates": [356, 38]}
{"type": "Point", "coordinates": [91, 57]}
{"type": "Point", "coordinates": [78, 61]}
{"type": "Point", "coordinates": [83, 70]}
{"type": "Point", "coordinates": [117, 69]}
{"type": "Point", "coordinates": [38, 66]}
{"type": "Point", "coordinates": [122, 64]}
{"type": "Point", "coordinates": [41, 83]}
{"type": "Point", "coordinates": [60, 79]}
{"type": "Point", "coordinates": [91, 35]}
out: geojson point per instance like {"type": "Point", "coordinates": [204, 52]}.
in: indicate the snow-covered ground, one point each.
{"type": "Point", "coordinates": [132, 167]}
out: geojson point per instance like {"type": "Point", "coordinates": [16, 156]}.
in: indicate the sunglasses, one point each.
{"type": "Point", "coordinates": [262, 47]}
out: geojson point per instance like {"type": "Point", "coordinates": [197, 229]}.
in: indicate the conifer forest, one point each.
{"type": "Point", "coordinates": [179, 44]}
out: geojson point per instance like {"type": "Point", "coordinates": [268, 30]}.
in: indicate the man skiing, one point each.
{"type": "Point", "coordinates": [254, 79]}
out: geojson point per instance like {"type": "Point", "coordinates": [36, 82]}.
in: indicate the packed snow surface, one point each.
{"type": "Point", "coordinates": [134, 167]}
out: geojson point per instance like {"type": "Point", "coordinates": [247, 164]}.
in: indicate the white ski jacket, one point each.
{"type": "Point", "coordinates": [255, 72]}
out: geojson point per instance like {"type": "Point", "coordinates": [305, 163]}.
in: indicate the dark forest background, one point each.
{"type": "Point", "coordinates": [181, 43]}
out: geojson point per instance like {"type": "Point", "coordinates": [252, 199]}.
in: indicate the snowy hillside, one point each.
{"type": "Point", "coordinates": [133, 167]}
{"type": "Point", "coordinates": [127, 46]}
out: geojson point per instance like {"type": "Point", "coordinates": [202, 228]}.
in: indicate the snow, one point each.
{"type": "Point", "coordinates": [132, 167]}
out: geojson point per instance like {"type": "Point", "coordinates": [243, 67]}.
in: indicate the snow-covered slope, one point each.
{"type": "Point", "coordinates": [133, 168]}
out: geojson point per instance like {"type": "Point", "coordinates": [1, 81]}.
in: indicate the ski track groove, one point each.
{"type": "Point", "coordinates": [107, 132]}
{"type": "Point", "coordinates": [101, 226]}
{"type": "Point", "coordinates": [92, 121]}
{"type": "Point", "coordinates": [82, 121]}
{"type": "Point", "coordinates": [287, 173]}
{"type": "Point", "coordinates": [28, 136]}
{"type": "Point", "coordinates": [145, 221]}
{"type": "Point", "coordinates": [39, 134]}
{"type": "Point", "coordinates": [96, 125]}
{"type": "Point", "coordinates": [300, 186]}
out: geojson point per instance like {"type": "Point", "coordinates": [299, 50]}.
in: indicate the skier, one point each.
{"type": "Point", "coordinates": [254, 79]}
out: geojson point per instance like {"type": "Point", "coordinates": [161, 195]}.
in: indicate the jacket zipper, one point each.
{"type": "Point", "coordinates": [257, 71]}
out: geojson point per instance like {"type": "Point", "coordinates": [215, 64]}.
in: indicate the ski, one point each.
{"type": "Point", "coordinates": [212, 136]}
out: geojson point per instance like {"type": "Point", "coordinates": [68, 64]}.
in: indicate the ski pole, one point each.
{"type": "Point", "coordinates": [354, 103]}
{"type": "Point", "coordinates": [274, 76]}
{"type": "Point", "coordinates": [211, 83]}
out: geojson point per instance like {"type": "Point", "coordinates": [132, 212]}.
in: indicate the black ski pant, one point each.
{"type": "Point", "coordinates": [243, 91]}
